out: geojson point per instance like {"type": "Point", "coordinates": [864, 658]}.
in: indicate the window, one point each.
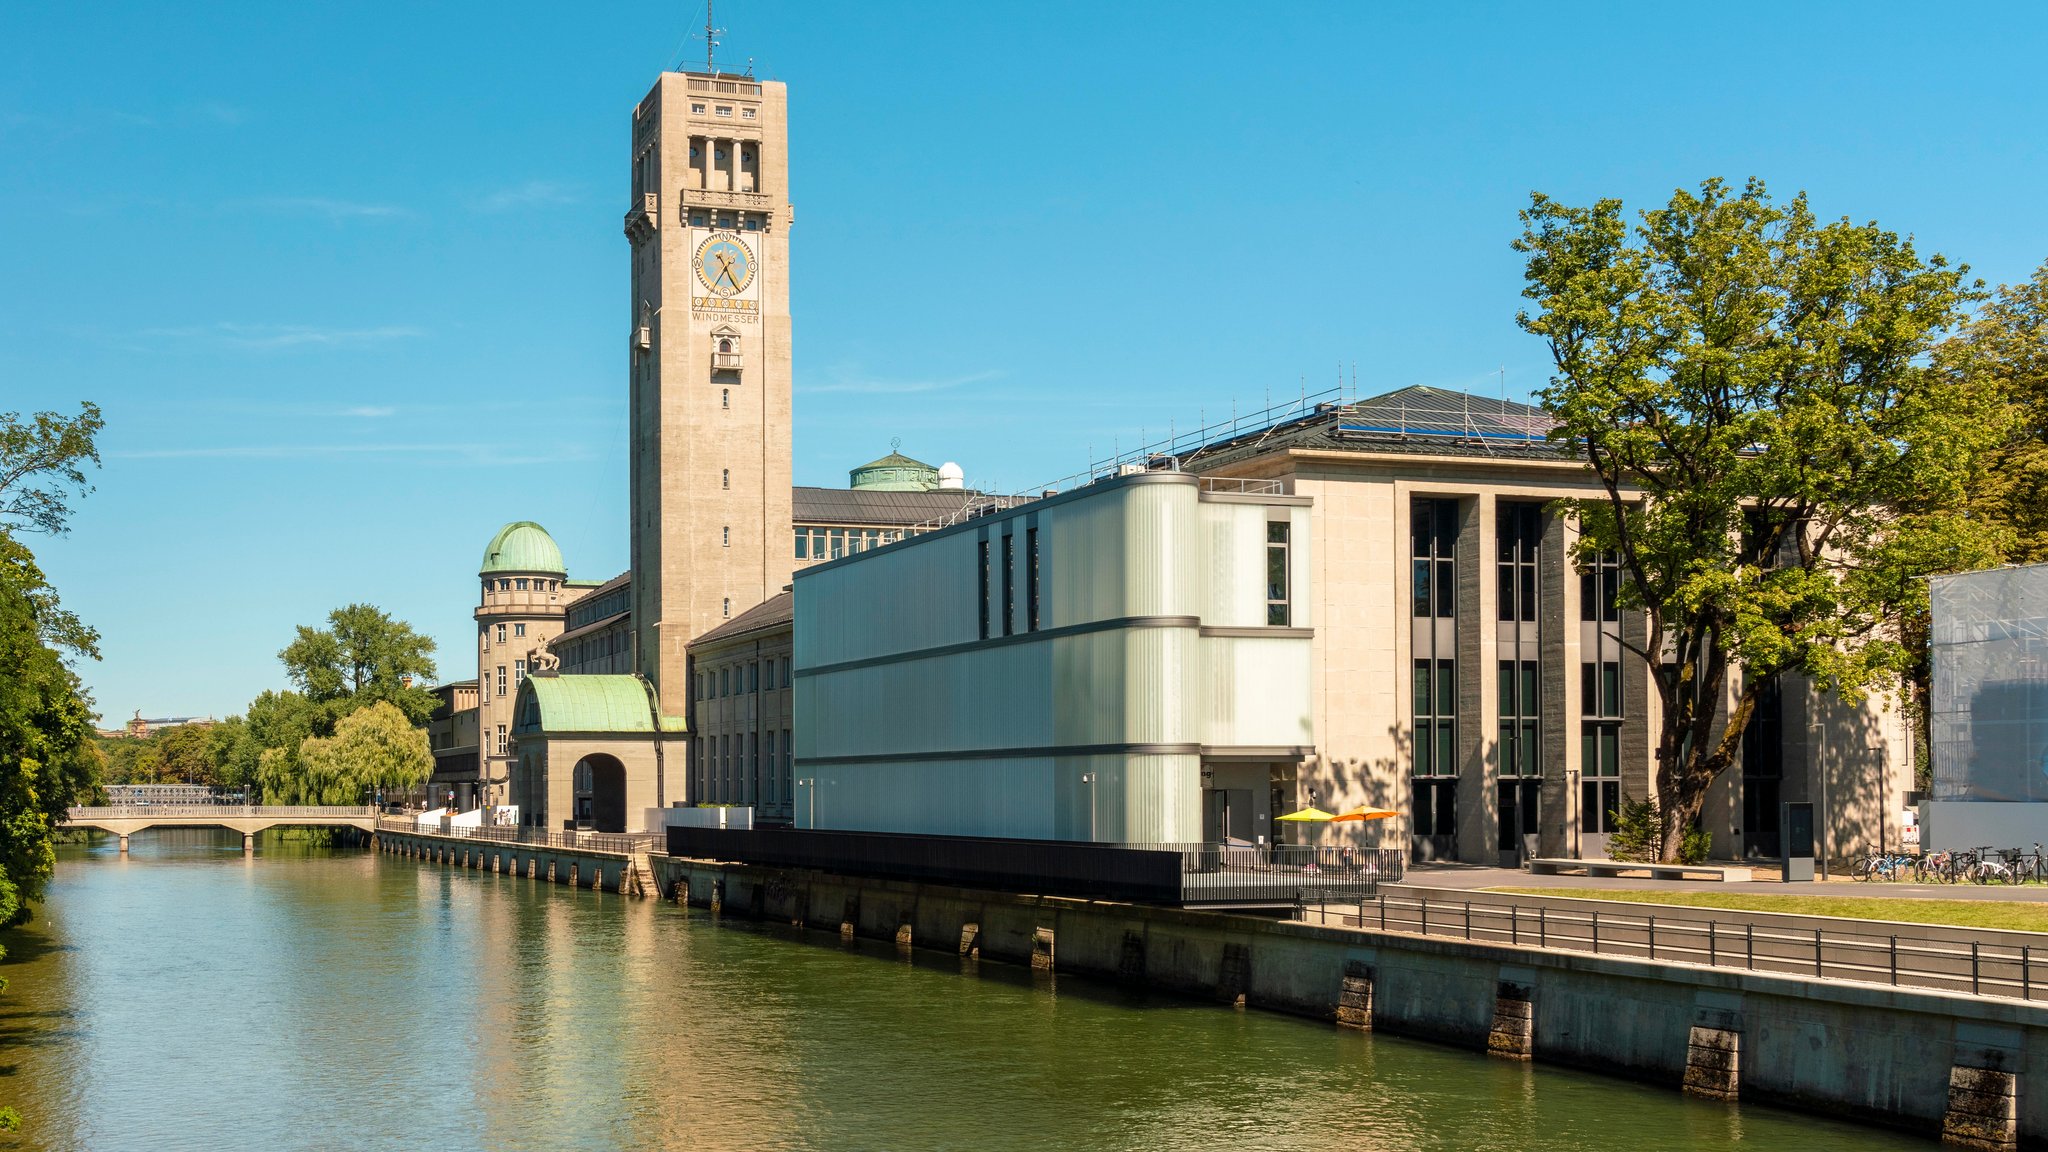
{"type": "Point", "coordinates": [838, 538]}
{"type": "Point", "coordinates": [518, 672]}
{"type": "Point", "coordinates": [501, 739]}
{"type": "Point", "coordinates": [1436, 711]}
{"type": "Point", "coordinates": [725, 681]}
{"type": "Point", "coordinates": [501, 633]}
{"type": "Point", "coordinates": [753, 677]}
{"type": "Point", "coordinates": [981, 565]}
{"type": "Point", "coordinates": [487, 637]}
{"type": "Point", "coordinates": [1518, 718]}
{"type": "Point", "coordinates": [803, 544]}
{"type": "Point", "coordinates": [1599, 582]}
{"type": "Point", "coordinates": [1434, 526]}
{"type": "Point", "coordinates": [520, 584]}
{"type": "Point", "coordinates": [1009, 584]}
{"type": "Point", "coordinates": [728, 606]}
{"type": "Point", "coordinates": [1277, 584]}
{"type": "Point", "coordinates": [746, 113]}
{"type": "Point", "coordinates": [725, 536]}
{"type": "Point", "coordinates": [725, 397]}
{"type": "Point", "coordinates": [519, 629]}
{"type": "Point", "coordinates": [699, 110]}
{"type": "Point", "coordinates": [501, 679]}
{"type": "Point", "coordinates": [1517, 529]}
{"type": "Point", "coordinates": [504, 585]}
{"type": "Point", "coordinates": [1600, 744]}
{"type": "Point", "coordinates": [724, 110]}
{"type": "Point", "coordinates": [1031, 580]}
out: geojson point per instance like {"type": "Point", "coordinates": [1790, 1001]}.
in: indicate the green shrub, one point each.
{"type": "Point", "coordinates": [1635, 831]}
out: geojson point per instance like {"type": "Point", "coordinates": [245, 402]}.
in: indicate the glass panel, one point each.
{"type": "Point", "coordinates": [1421, 588]}
{"type": "Point", "coordinates": [1276, 573]}
{"type": "Point", "coordinates": [1528, 605]}
{"type": "Point", "coordinates": [1446, 591]}
{"type": "Point", "coordinates": [1531, 764]}
{"type": "Point", "coordinates": [1446, 688]}
{"type": "Point", "coordinates": [1528, 689]}
{"type": "Point", "coordinates": [1422, 686]}
{"type": "Point", "coordinates": [1446, 760]}
{"type": "Point", "coordinates": [803, 545]}
{"type": "Point", "coordinates": [1506, 591]}
{"type": "Point", "coordinates": [1507, 689]}
{"type": "Point", "coordinates": [1610, 688]}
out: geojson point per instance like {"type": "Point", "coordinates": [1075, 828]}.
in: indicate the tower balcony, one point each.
{"type": "Point", "coordinates": [644, 217]}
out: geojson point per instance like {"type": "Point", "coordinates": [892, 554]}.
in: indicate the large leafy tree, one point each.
{"type": "Point", "coordinates": [374, 750]}
{"type": "Point", "coordinates": [363, 656]}
{"type": "Point", "coordinates": [2006, 348]}
{"type": "Point", "coordinates": [1780, 461]}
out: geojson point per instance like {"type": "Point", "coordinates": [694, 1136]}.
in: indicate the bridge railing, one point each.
{"type": "Point", "coordinates": [200, 812]}
{"type": "Point", "coordinates": [623, 843]}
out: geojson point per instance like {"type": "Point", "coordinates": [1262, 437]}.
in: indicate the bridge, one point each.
{"type": "Point", "coordinates": [248, 819]}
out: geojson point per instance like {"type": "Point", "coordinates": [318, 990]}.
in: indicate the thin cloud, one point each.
{"type": "Point", "coordinates": [532, 194]}
{"type": "Point", "coordinates": [370, 411]}
{"type": "Point", "coordinates": [895, 387]}
{"type": "Point", "coordinates": [466, 453]}
{"type": "Point", "coordinates": [327, 208]}
{"type": "Point", "coordinates": [274, 337]}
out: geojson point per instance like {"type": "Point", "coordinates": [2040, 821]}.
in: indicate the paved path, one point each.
{"type": "Point", "coordinates": [1473, 876]}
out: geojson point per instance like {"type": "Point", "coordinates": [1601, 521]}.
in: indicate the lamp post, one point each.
{"type": "Point", "coordinates": [810, 786]}
{"type": "Point", "coordinates": [1088, 778]}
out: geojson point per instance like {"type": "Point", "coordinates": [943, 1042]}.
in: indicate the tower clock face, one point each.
{"type": "Point", "coordinates": [724, 266]}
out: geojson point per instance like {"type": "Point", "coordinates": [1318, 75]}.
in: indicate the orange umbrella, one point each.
{"type": "Point", "coordinates": [1365, 812]}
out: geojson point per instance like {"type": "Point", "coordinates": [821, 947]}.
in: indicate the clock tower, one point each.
{"type": "Point", "coordinates": [708, 362]}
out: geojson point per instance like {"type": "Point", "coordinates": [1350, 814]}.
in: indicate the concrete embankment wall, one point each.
{"type": "Point", "coordinates": [1959, 1066]}
{"type": "Point", "coordinates": [601, 870]}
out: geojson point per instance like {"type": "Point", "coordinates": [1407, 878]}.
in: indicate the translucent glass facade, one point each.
{"type": "Point", "coordinates": [1989, 712]}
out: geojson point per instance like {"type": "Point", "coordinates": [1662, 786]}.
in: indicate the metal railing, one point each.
{"type": "Point", "coordinates": [618, 843]}
{"type": "Point", "coordinates": [1899, 959]}
{"type": "Point", "coordinates": [218, 811]}
{"type": "Point", "coordinates": [1282, 874]}
{"type": "Point", "coordinates": [1242, 486]}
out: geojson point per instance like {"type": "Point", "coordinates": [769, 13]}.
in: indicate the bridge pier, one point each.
{"type": "Point", "coordinates": [248, 842]}
{"type": "Point", "coordinates": [124, 843]}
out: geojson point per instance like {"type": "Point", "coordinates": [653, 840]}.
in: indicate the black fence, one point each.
{"type": "Point", "coordinates": [1168, 874]}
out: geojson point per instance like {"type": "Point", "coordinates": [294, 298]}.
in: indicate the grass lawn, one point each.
{"type": "Point", "coordinates": [2017, 915]}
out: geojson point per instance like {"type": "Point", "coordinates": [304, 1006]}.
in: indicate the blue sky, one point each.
{"type": "Point", "coordinates": [350, 285]}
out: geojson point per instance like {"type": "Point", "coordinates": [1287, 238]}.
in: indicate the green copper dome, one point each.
{"type": "Point", "coordinates": [523, 546]}
{"type": "Point", "coordinates": [894, 473]}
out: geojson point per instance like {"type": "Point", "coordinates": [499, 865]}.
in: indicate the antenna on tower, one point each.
{"type": "Point", "coordinates": [710, 39]}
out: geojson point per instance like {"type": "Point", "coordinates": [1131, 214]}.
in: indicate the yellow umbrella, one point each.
{"type": "Point", "coordinates": [1366, 812]}
{"type": "Point", "coordinates": [1308, 815]}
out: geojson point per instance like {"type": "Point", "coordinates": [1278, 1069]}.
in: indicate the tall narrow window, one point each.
{"type": "Point", "coordinates": [803, 544]}
{"type": "Point", "coordinates": [1518, 718]}
{"type": "Point", "coordinates": [725, 397]}
{"type": "Point", "coordinates": [1600, 745]}
{"type": "Point", "coordinates": [519, 629]}
{"type": "Point", "coordinates": [518, 672]}
{"type": "Point", "coordinates": [728, 606]}
{"type": "Point", "coordinates": [501, 739]}
{"type": "Point", "coordinates": [501, 679]}
{"type": "Point", "coordinates": [1433, 818]}
{"type": "Point", "coordinates": [981, 566]}
{"type": "Point", "coordinates": [1599, 583]}
{"type": "Point", "coordinates": [1518, 530]}
{"type": "Point", "coordinates": [1278, 601]}
{"type": "Point", "coordinates": [725, 536]}
{"type": "Point", "coordinates": [501, 633]}
{"type": "Point", "coordinates": [1031, 580]}
{"type": "Point", "coordinates": [725, 478]}
{"type": "Point", "coordinates": [1009, 584]}
{"type": "Point", "coordinates": [1434, 527]}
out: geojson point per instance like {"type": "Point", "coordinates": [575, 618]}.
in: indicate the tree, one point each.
{"type": "Point", "coordinates": [47, 760]}
{"type": "Point", "coordinates": [374, 750]}
{"type": "Point", "coordinates": [363, 656]}
{"type": "Point", "coordinates": [2006, 348]}
{"type": "Point", "coordinates": [41, 460]}
{"type": "Point", "coordinates": [1778, 458]}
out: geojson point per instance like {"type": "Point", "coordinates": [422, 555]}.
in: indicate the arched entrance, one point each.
{"type": "Point", "coordinates": [600, 794]}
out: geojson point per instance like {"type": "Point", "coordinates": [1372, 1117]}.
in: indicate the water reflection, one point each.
{"type": "Point", "coordinates": [191, 998]}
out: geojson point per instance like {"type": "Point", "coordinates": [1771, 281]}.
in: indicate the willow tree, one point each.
{"type": "Point", "coordinates": [1779, 461]}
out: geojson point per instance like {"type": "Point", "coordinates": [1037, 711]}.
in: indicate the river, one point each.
{"type": "Point", "coordinates": [191, 998]}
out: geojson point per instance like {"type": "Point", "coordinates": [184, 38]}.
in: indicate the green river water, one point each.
{"type": "Point", "coordinates": [189, 998]}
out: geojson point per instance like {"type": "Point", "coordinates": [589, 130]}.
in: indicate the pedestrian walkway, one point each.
{"type": "Point", "coordinates": [1474, 876]}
